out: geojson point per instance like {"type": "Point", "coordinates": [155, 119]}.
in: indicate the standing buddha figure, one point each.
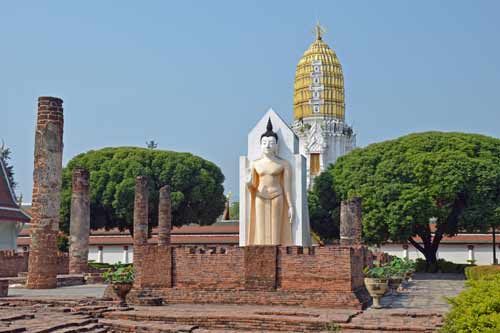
{"type": "Point", "coordinates": [269, 182]}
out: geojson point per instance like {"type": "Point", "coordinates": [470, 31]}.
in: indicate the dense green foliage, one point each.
{"type": "Point", "coordinates": [482, 272]}
{"type": "Point", "coordinates": [397, 267]}
{"type": "Point", "coordinates": [5, 157]}
{"type": "Point", "coordinates": [196, 186]}
{"type": "Point", "coordinates": [440, 265]}
{"type": "Point", "coordinates": [324, 208]}
{"type": "Point", "coordinates": [476, 309]}
{"type": "Point", "coordinates": [119, 273]}
{"type": "Point", "coordinates": [62, 242]}
{"type": "Point", "coordinates": [454, 177]}
{"type": "Point", "coordinates": [234, 210]}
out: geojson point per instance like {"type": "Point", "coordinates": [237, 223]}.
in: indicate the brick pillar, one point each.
{"type": "Point", "coordinates": [141, 211]}
{"type": "Point", "coordinates": [46, 199]}
{"type": "Point", "coordinates": [79, 227]}
{"type": "Point", "coordinates": [164, 216]}
{"type": "Point", "coordinates": [260, 264]}
{"type": "Point", "coordinates": [350, 221]}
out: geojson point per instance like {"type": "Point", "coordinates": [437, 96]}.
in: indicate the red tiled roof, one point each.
{"type": "Point", "coordinates": [127, 240]}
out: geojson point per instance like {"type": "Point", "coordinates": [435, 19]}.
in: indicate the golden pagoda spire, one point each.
{"type": "Point", "coordinates": [319, 82]}
{"type": "Point", "coordinates": [319, 31]}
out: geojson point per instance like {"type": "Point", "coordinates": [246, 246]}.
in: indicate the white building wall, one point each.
{"type": "Point", "coordinates": [111, 254]}
{"type": "Point", "coordinates": [8, 235]}
{"type": "Point", "coordinates": [457, 253]}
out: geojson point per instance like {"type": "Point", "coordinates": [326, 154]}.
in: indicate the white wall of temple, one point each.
{"type": "Point", "coordinates": [457, 253]}
{"type": "Point", "coordinates": [8, 235]}
{"type": "Point", "coordinates": [111, 254]}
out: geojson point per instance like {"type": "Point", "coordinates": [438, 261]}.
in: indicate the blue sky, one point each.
{"type": "Point", "coordinates": [197, 75]}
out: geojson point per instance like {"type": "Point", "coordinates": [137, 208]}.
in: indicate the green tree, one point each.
{"type": "Point", "coordinates": [324, 208]}
{"type": "Point", "coordinates": [452, 177]}
{"type": "Point", "coordinates": [5, 157]}
{"type": "Point", "coordinates": [234, 210]}
{"type": "Point", "coordinates": [196, 186]}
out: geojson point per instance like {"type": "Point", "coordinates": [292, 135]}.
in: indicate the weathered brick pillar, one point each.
{"type": "Point", "coordinates": [80, 222]}
{"type": "Point", "coordinates": [46, 199]}
{"type": "Point", "coordinates": [260, 264]}
{"type": "Point", "coordinates": [350, 221]}
{"type": "Point", "coordinates": [164, 216]}
{"type": "Point", "coordinates": [141, 211]}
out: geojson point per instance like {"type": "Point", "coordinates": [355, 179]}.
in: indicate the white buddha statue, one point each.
{"type": "Point", "coordinates": [273, 187]}
{"type": "Point", "coordinates": [269, 182]}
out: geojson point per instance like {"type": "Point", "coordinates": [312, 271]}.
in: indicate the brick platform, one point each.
{"type": "Point", "coordinates": [268, 275]}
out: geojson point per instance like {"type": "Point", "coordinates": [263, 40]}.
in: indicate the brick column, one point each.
{"type": "Point", "coordinates": [164, 216]}
{"type": "Point", "coordinates": [141, 211]}
{"type": "Point", "coordinates": [79, 227]}
{"type": "Point", "coordinates": [46, 199]}
{"type": "Point", "coordinates": [350, 221]}
{"type": "Point", "coordinates": [260, 263]}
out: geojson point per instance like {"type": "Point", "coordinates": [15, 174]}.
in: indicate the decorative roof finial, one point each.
{"type": "Point", "coordinates": [319, 31]}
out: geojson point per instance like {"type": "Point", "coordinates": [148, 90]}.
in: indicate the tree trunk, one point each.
{"type": "Point", "coordinates": [431, 259]}
{"type": "Point", "coordinates": [429, 250]}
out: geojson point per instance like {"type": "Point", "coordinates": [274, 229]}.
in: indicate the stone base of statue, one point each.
{"type": "Point", "coordinates": [289, 205]}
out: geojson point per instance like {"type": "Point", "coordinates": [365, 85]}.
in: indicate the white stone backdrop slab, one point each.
{"type": "Point", "coordinates": [288, 149]}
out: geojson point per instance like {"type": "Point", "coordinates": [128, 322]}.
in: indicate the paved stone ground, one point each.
{"type": "Point", "coordinates": [89, 290]}
{"type": "Point", "coordinates": [427, 291]}
{"type": "Point", "coordinates": [418, 309]}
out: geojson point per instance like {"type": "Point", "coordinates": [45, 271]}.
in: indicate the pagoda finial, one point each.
{"type": "Point", "coordinates": [319, 31]}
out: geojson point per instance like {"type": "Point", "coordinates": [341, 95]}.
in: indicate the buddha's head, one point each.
{"type": "Point", "coordinates": [269, 141]}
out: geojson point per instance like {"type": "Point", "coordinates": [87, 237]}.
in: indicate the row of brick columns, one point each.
{"type": "Point", "coordinates": [42, 269]}
{"type": "Point", "coordinates": [141, 213]}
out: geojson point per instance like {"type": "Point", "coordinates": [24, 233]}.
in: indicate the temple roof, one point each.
{"type": "Point", "coordinates": [9, 209]}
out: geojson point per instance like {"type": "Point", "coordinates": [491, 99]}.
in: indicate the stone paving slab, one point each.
{"type": "Point", "coordinates": [427, 291]}
{"type": "Point", "coordinates": [418, 309]}
{"type": "Point", "coordinates": [88, 290]}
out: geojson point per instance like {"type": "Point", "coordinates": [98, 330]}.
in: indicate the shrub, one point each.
{"type": "Point", "coordinates": [399, 267]}
{"type": "Point", "coordinates": [482, 272]}
{"type": "Point", "coordinates": [476, 309]}
{"type": "Point", "coordinates": [119, 273]}
{"type": "Point", "coordinates": [99, 265]}
{"type": "Point", "coordinates": [382, 272]}
{"type": "Point", "coordinates": [443, 266]}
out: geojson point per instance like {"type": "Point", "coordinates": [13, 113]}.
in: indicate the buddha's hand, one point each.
{"type": "Point", "coordinates": [290, 214]}
{"type": "Point", "coordinates": [248, 178]}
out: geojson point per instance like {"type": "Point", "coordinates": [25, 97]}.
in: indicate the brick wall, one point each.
{"type": "Point", "coordinates": [154, 269]}
{"type": "Point", "coordinates": [210, 267]}
{"type": "Point", "coordinates": [12, 263]}
{"type": "Point", "coordinates": [328, 276]}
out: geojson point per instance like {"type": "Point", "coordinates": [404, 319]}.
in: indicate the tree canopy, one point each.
{"type": "Point", "coordinates": [5, 157]}
{"type": "Point", "coordinates": [453, 177]}
{"type": "Point", "coordinates": [196, 186]}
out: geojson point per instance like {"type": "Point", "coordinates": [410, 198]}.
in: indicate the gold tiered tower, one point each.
{"type": "Point", "coordinates": [319, 82]}
{"type": "Point", "coordinates": [319, 108]}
